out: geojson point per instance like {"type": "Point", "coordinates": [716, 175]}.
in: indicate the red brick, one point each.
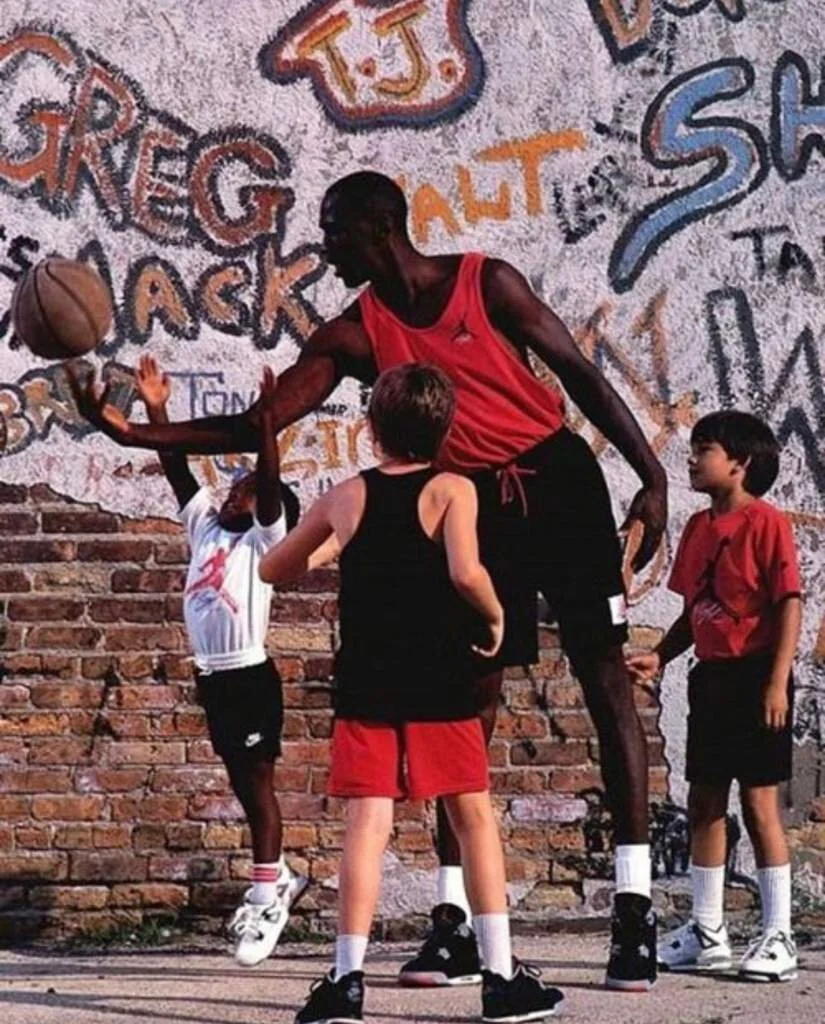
{"type": "Point", "coordinates": [127, 725]}
{"type": "Point", "coordinates": [17, 523]}
{"type": "Point", "coordinates": [23, 664]}
{"type": "Point", "coordinates": [146, 581]}
{"type": "Point", "coordinates": [569, 752]}
{"type": "Point", "coordinates": [35, 780]}
{"type": "Point", "coordinates": [12, 752]}
{"type": "Point", "coordinates": [107, 867]}
{"type": "Point", "coordinates": [311, 752]}
{"type": "Point", "coordinates": [149, 837]}
{"type": "Point", "coordinates": [12, 494]}
{"type": "Point", "coordinates": [135, 666]}
{"type": "Point", "coordinates": [509, 724]}
{"type": "Point", "coordinates": [67, 808]}
{"type": "Point", "coordinates": [58, 750]}
{"type": "Point", "coordinates": [79, 521]}
{"type": "Point", "coordinates": [187, 835]}
{"type": "Point", "coordinates": [223, 837]}
{"type": "Point", "coordinates": [150, 894]}
{"type": "Point", "coordinates": [65, 695]}
{"type": "Point", "coordinates": [6, 839]}
{"type": "Point", "coordinates": [145, 753]}
{"type": "Point", "coordinates": [190, 780]}
{"type": "Point", "coordinates": [13, 696]}
{"type": "Point", "coordinates": [11, 637]}
{"type": "Point", "coordinates": [161, 809]}
{"type": "Point", "coordinates": [14, 581]}
{"type": "Point", "coordinates": [184, 868]}
{"type": "Point", "coordinates": [297, 837]}
{"type": "Point", "coordinates": [291, 670]}
{"type": "Point", "coordinates": [201, 752]}
{"type": "Point", "coordinates": [39, 867]}
{"type": "Point", "coordinates": [182, 723]}
{"type": "Point", "coordinates": [78, 638]}
{"type": "Point", "coordinates": [173, 608]}
{"type": "Point", "coordinates": [70, 897]}
{"type": "Point", "coordinates": [137, 638]}
{"type": "Point", "coordinates": [573, 725]}
{"type": "Point", "coordinates": [59, 666]}
{"type": "Point", "coordinates": [114, 550]}
{"type": "Point", "coordinates": [15, 808]}
{"type": "Point", "coordinates": [112, 609]}
{"type": "Point", "coordinates": [166, 527]}
{"type": "Point", "coordinates": [176, 667]}
{"type": "Point", "coordinates": [301, 806]}
{"type": "Point", "coordinates": [33, 837]}
{"type": "Point", "coordinates": [172, 553]}
{"type": "Point", "coordinates": [44, 609]}
{"type": "Point", "coordinates": [320, 725]}
{"type": "Point", "coordinates": [110, 780]}
{"type": "Point", "coordinates": [37, 551]}
{"type": "Point", "coordinates": [574, 780]}
{"type": "Point", "coordinates": [108, 835]}
{"type": "Point", "coordinates": [220, 808]}
{"type": "Point", "coordinates": [73, 837]}
{"type": "Point", "coordinates": [286, 608]}
{"type": "Point", "coordinates": [291, 778]}
{"type": "Point", "coordinates": [145, 698]}
{"type": "Point", "coordinates": [38, 723]}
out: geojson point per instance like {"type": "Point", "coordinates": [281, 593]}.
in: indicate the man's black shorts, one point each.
{"type": "Point", "coordinates": [244, 710]}
{"type": "Point", "coordinates": [727, 735]}
{"type": "Point", "coordinates": [546, 524]}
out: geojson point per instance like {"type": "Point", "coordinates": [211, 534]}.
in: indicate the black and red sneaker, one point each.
{"type": "Point", "coordinates": [449, 955]}
{"type": "Point", "coordinates": [632, 963]}
{"type": "Point", "coordinates": [522, 997]}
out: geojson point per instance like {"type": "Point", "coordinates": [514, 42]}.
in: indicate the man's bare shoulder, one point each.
{"type": "Point", "coordinates": [343, 334]}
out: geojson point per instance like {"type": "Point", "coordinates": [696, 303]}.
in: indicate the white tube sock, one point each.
{"type": "Point", "coordinates": [451, 889]}
{"type": "Point", "coordinates": [350, 951]}
{"type": "Point", "coordinates": [708, 895]}
{"type": "Point", "coordinates": [775, 890]}
{"type": "Point", "coordinates": [493, 934]}
{"type": "Point", "coordinates": [633, 869]}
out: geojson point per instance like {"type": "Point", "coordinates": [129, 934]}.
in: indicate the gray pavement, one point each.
{"type": "Point", "coordinates": [159, 987]}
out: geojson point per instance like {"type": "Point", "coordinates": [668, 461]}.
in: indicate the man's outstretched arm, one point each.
{"type": "Point", "coordinates": [525, 320]}
{"type": "Point", "coordinates": [337, 349]}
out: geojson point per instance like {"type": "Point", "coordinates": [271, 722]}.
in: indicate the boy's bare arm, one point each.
{"type": "Point", "coordinates": [288, 560]}
{"type": "Point", "coordinates": [467, 574]}
{"type": "Point", "coordinates": [154, 389]}
{"type": "Point", "coordinates": [337, 349]}
{"type": "Point", "coordinates": [268, 468]}
{"type": "Point", "coordinates": [776, 699]}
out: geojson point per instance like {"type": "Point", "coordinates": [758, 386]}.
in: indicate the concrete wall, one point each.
{"type": "Point", "coordinates": [655, 168]}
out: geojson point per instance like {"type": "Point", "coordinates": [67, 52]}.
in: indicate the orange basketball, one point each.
{"type": "Point", "coordinates": [61, 308]}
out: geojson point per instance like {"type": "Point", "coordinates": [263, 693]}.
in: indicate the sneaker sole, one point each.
{"type": "Point", "coordinates": [759, 976]}
{"type": "Point", "coordinates": [621, 985]}
{"type": "Point", "coordinates": [535, 1015]}
{"type": "Point", "coordinates": [265, 956]}
{"type": "Point", "coordinates": [435, 979]}
{"type": "Point", "coordinates": [718, 966]}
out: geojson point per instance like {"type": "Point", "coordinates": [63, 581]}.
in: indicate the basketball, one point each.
{"type": "Point", "coordinates": [61, 308]}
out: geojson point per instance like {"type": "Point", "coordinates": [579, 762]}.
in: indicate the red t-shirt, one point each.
{"type": "Point", "coordinates": [733, 569]}
{"type": "Point", "coordinates": [502, 409]}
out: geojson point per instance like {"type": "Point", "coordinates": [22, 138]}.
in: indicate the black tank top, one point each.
{"type": "Point", "coordinates": [405, 632]}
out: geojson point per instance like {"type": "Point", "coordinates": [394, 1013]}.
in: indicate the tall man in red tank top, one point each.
{"type": "Point", "coordinates": [545, 519]}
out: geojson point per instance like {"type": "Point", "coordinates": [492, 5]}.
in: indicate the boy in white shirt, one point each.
{"type": "Point", "coordinates": [226, 608]}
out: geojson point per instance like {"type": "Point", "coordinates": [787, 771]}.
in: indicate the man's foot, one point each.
{"type": "Point", "coordinates": [522, 997]}
{"type": "Point", "coordinates": [257, 927]}
{"type": "Point", "coordinates": [771, 957]}
{"type": "Point", "coordinates": [694, 947]}
{"type": "Point", "coordinates": [632, 963]}
{"type": "Point", "coordinates": [449, 955]}
{"type": "Point", "coordinates": [334, 1002]}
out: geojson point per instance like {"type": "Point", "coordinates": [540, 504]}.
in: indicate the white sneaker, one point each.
{"type": "Point", "coordinates": [257, 927]}
{"type": "Point", "coordinates": [771, 957]}
{"type": "Point", "coordinates": [694, 947]}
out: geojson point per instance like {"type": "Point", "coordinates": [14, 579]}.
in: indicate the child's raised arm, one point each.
{"type": "Point", "coordinates": [268, 506]}
{"type": "Point", "coordinates": [468, 575]}
{"type": "Point", "coordinates": [154, 389]}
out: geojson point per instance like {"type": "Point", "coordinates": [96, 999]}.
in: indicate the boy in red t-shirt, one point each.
{"type": "Point", "coordinates": [736, 568]}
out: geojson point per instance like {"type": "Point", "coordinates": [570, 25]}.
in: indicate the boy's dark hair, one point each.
{"type": "Point", "coordinates": [411, 410]}
{"type": "Point", "coordinates": [745, 438]}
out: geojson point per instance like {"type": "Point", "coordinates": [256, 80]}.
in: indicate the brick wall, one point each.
{"type": "Point", "coordinates": [112, 805]}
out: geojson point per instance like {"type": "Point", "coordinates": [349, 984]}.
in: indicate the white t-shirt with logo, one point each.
{"type": "Point", "coordinates": [225, 603]}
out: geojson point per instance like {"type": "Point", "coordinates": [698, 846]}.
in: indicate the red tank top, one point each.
{"type": "Point", "coordinates": [502, 410]}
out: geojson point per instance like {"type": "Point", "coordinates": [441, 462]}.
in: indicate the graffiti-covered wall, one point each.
{"type": "Point", "coordinates": [655, 167]}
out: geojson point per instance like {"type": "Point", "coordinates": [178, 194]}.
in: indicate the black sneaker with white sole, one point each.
{"type": "Point", "coordinates": [632, 963]}
{"type": "Point", "coordinates": [520, 998]}
{"type": "Point", "coordinates": [334, 1002]}
{"type": "Point", "coordinates": [449, 955]}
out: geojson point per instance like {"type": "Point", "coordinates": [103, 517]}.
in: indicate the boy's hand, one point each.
{"type": "Point", "coordinates": [93, 405]}
{"type": "Point", "coordinates": [643, 667]}
{"type": "Point", "coordinates": [269, 390]}
{"type": "Point", "coordinates": [153, 386]}
{"type": "Point", "coordinates": [496, 629]}
{"type": "Point", "coordinates": [775, 705]}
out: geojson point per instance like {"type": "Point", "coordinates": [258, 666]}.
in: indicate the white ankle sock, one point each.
{"type": "Point", "coordinates": [775, 890]}
{"type": "Point", "coordinates": [708, 895]}
{"type": "Point", "coordinates": [633, 868]}
{"type": "Point", "coordinates": [451, 889]}
{"type": "Point", "coordinates": [350, 951]}
{"type": "Point", "coordinates": [493, 934]}
{"type": "Point", "coordinates": [265, 880]}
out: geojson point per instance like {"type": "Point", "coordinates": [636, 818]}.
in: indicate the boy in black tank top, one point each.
{"type": "Point", "coordinates": [413, 597]}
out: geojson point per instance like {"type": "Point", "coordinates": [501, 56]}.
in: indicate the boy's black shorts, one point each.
{"type": "Point", "coordinates": [727, 737]}
{"type": "Point", "coordinates": [244, 710]}
{"type": "Point", "coordinates": [546, 524]}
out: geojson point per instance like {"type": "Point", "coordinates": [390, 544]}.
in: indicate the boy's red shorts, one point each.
{"type": "Point", "coordinates": [418, 760]}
